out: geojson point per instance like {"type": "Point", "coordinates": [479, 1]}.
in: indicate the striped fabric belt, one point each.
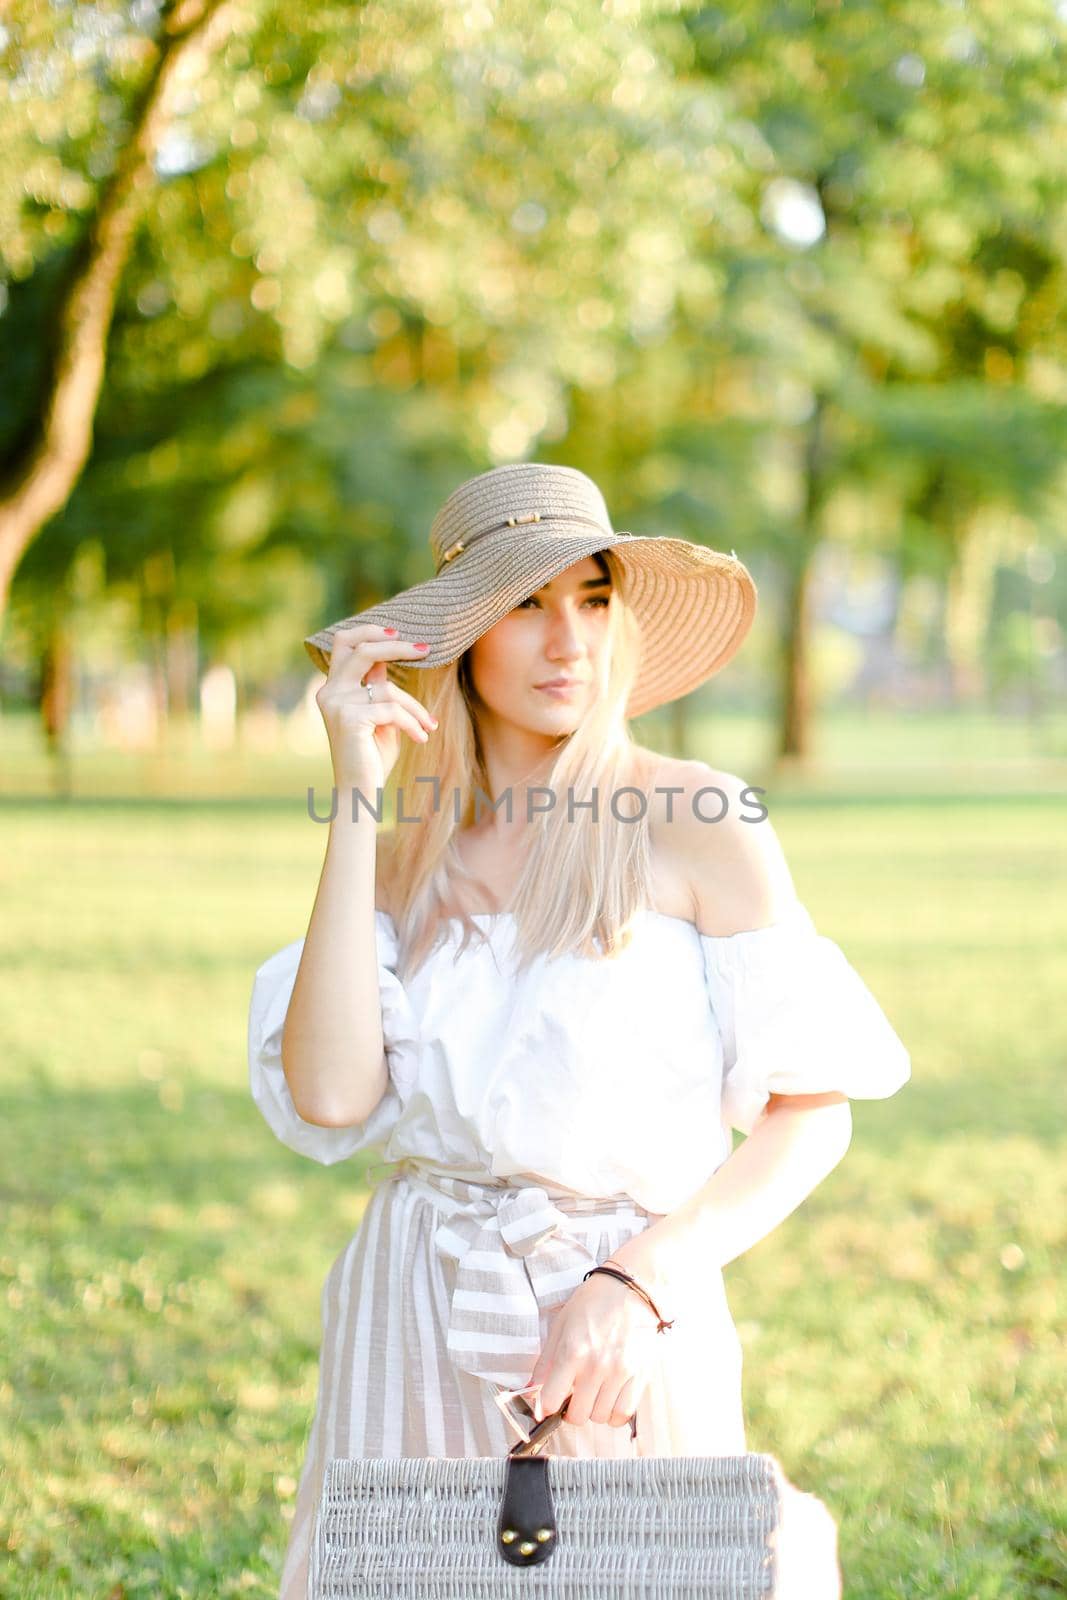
{"type": "Point", "coordinates": [515, 1251]}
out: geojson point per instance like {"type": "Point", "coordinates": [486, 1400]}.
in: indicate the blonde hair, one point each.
{"type": "Point", "coordinates": [582, 878]}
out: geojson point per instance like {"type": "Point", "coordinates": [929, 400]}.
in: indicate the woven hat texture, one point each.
{"type": "Point", "coordinates": [506, 532]}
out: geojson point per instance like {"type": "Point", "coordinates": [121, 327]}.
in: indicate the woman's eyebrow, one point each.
{"type": "Point", "coordinates": [587, 583]}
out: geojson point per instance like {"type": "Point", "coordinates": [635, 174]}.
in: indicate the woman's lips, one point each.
{"type": "Point", "coordinates": [559, 689]}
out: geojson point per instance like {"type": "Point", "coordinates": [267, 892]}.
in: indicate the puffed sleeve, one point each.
{"type": "Point", "coordinates": [272, 989]}
{"type": "Point", "coordinates": [796, 1018]}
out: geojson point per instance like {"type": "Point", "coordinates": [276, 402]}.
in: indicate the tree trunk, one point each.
{"type": "Point", "coordinates": [157, 648]}
{"type": "Point", "coordinates": [57, 693]}
{"type": "Point", "coordinates": [182, 663]}
{"type": "Point", "coordinates": [157, 599]}
{"type": "Point", "coordinates": [794, 734]}
{"type": "Point", "coordinates": [794, 742]}
{"type": "Point", "coordinates": [968, 599]}
{"type": "Point", "coordinates": [39, 481]}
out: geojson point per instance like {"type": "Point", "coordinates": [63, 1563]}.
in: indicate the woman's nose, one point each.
{"type": "Point", "coordinates": [565, 637]}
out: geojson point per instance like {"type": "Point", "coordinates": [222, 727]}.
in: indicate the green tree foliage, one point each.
{"type": "Point", "coordinates": [771, 274]}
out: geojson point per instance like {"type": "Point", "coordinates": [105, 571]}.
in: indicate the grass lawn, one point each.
{"type": "Point", "coordinates": [162, 1255]}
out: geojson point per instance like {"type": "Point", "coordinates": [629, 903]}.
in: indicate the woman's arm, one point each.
{"type": "Point", "coordinates": [333, 1052]}
{"type": "Point", "coordinates": [740, 880]}
{"type": "Point", "coordinates": [799, 1141]}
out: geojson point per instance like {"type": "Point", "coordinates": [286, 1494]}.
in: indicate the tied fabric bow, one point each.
{"type": "Point", "coordinates": [510, 1265]}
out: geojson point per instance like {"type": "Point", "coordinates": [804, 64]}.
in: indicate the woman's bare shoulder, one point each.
{"type": "Point", "coordinates": [658, 778]}
{"type": "Point", "coordinates": [715, 831]}
{"type": "Point", "coordinates": [681, 792]}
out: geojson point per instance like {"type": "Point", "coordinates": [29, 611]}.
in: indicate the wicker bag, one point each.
{"type": "Point", "coordinates": [688, 1527]}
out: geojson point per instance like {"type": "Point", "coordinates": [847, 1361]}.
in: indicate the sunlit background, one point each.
{"type": "Point", "coordinates": [784, 278]}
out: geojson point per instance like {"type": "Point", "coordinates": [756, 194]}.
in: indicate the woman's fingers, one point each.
{"type": "Point", "coordinates": [584, 1394]}
{"type": "Point", "coordinates": [591, 1400]}
{"type": "Point", "coordinates": [358, 665]}
{"type": "Point", "coordinates": [612, 1401]}
{"type": "Point", "coordinates": [416, 707]}
{"type": "Point", "coordinates": [626, 1402]}
{"type": "Point", "coordinates": [365, 648]}
{"type": "Point", "coordinates": [381, 712]}
{"type": "Point", "coordinates": [387, 703]}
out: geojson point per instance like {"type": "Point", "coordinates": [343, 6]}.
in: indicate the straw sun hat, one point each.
{"type": "Point", "coordinates": [506, 532]}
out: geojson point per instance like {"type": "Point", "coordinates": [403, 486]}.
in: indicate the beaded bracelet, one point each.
{"type": "Point", "coordinates": [615, 1271]}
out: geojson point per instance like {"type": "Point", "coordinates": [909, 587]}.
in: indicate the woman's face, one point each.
{"type": "Point", "coordinates": [560, 631]}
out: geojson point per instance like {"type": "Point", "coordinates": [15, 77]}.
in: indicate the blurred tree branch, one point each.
{"type": "Point", "coordinates": [39, 478]}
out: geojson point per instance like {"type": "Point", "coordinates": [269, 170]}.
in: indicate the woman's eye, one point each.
{"type": "Point", "coordinates": [593, 600]}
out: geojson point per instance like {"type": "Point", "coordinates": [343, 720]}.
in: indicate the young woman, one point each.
{"type": "Point", "coordinates": [550, 990]}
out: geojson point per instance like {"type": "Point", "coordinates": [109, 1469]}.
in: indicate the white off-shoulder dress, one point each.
{"type": "Point", "coordinates": [534, 1122]}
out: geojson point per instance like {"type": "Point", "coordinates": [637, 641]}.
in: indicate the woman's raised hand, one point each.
{"type": "Point", "coordinates": [364, 731]}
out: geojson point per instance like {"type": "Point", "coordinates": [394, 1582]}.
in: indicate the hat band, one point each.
{"type": "Point", "coordinates": [512, 522]}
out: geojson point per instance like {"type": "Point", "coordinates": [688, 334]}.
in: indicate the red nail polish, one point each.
{"type": "Point", "coordinates": [389, 630]}
{"type": "Point", "coordinates": [421, 644]}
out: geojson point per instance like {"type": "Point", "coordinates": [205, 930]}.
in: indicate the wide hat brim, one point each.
{"type": "Point", "coordinates": [694, 605]}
